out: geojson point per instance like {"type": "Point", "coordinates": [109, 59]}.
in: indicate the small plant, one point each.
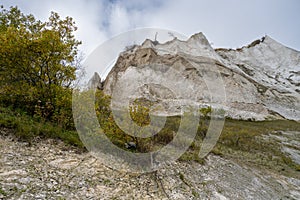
{"type": "Point", "coordinates": [181, 176]}
{"type": "Point", "coordinates": [196, 194]}
{"type": "Point", "coordinates": [3, 192]}
{"type": "Point", "coordinates": [206, 111]}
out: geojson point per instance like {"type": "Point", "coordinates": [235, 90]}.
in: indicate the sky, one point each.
{"type": "Point", "coordinates": [225, 23]}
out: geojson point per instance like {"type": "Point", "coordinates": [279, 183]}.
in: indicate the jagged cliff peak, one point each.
{"type": "Point", "coordinates": [196, 45]}
{"type": "Point", "coordinates": [199, 38]}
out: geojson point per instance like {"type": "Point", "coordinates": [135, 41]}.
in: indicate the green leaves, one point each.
{"type": "Point", "coordinates": [38, 62]}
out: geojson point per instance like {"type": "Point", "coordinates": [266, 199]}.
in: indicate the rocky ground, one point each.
{"type": "Point", "coordinates": [50, 169]}
{"type": "Point", "coordinates": [289, 142]}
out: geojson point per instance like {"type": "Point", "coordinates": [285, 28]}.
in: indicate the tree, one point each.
{"type": "Point", "coordinates": [139, 115]}
{"type": "Point", "coordinates": [38, 61]}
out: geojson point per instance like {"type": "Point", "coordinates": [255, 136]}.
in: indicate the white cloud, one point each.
{"type": "Point", "coordinates": [119, 19]}
{"type": "Point", "coordinates": [230, 23]}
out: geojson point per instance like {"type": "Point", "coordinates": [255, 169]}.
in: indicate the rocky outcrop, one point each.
{"type": "Point", "coordinates": [261, 80]}
{"type": "Point", "coordinates": [95, 81]}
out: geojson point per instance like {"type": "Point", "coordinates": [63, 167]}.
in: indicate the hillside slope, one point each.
{"type": "Point", "coordinates": [51, 170]}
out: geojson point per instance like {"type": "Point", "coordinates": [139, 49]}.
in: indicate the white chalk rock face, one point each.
{"type": "Point", "coordinates": [260, 81]}
{"type": "Point", "coordinates": [276, 68]}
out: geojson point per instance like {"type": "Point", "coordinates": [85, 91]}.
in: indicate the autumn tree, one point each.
{"type": "Point", "coordinates": [38, 62]}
